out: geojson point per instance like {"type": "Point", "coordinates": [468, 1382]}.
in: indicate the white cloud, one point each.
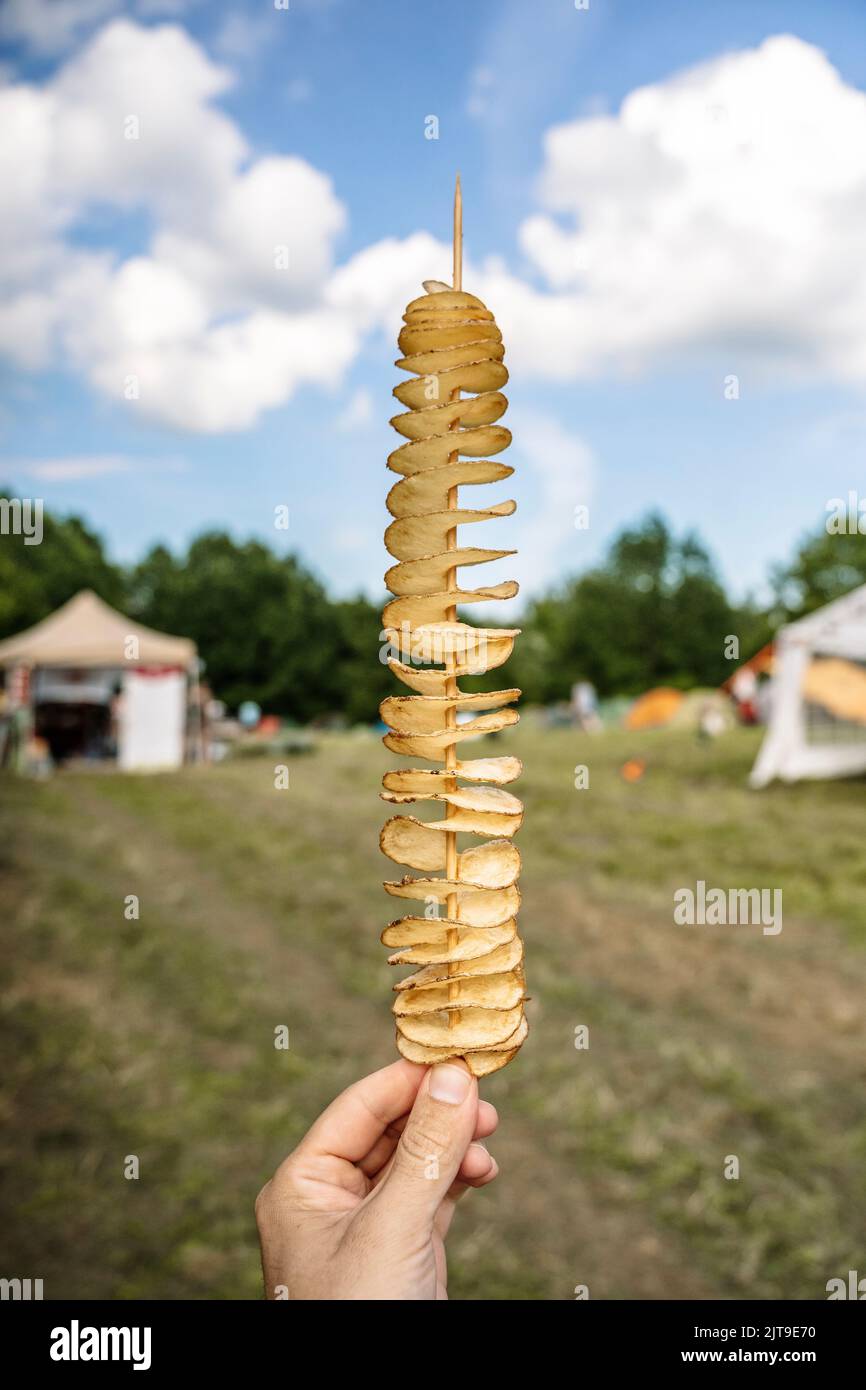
{"type": "Point", "coordinates": [720, 209]}
{"type": "Point", "coordinates": [74, 469]}
{"type": "Point", "coordinates": [375, 286]}
{"type": "Point", "coordinates": [48, 27]}
{"type": "Point", "coordinates": [81, 467]}
{"type": "Point", "coordinates": [719, 212]}
{"type": "Point", "coordinates": [358, 412]}
{"type": "Point", "coordinates": [243, 36]}
{"type": "Point", "coordinates": [225, 315]}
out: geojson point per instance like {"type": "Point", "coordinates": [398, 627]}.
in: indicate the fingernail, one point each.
{"type": "Point", "coordinates": [481, 1149]}
{"type": "Point", "coordinates": [449, 1084]}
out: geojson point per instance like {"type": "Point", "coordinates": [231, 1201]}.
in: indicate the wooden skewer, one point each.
{"type": "Point", "coordinates": [451, 683]}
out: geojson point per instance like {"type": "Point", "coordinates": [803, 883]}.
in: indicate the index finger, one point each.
{"type": "Point", "coordinates": [360, 1115]}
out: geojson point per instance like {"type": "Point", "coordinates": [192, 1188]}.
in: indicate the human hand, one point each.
{"type": "Point", "coordinates": [361, 1208]}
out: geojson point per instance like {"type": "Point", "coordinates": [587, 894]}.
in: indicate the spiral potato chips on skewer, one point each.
{"type": "Point", "coordinates": [466, 998]}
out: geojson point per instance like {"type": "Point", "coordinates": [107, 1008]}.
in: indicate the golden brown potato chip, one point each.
{"type": "Point", "coordinates": [434, 745]}
{"type": "Point", "coordinates": [422, 714]}
{"type": "Point", "coordinates": [494, 865]}
{"type": "Point", "coordinates": [433, 315]}
{"type": "Point", "coordinates": [437, 642]}
{"type": "Point", "coordinates": [430, 336]}
{"type": "Point", "coordinates": [470, 943]}
{"type": "Point", "coordinates": [428, 1056]}
{"type": "Point", "coordinates": [435, 683]}
{"type": "Point", "coordinates": [483, 1063]}
{"type": "Point", "coordinates": [466, 798]}
{"type": "Point", "coordinates": [495, 962]}
{"type": "Point", "coordinates": [476, 907]}
{"type": "Point", "coordinates": [438, 416]}
{"type": "Point", "coordinates": [498, 992]}
{"type": "Point", "coordinates": [408, 841]}
{"type": "Point", "coordinates": [473, 376]}
{"type": "Point", "coordinates": [442, 360]}
{"type": "Point", "coordinates": [457, 821]}
{"type": "Point", "coordinates": [437, 300]}
{"type": "Point", "coordinates": [435, 451]}
{"type": "Point", "coordinates": [473, 651]}
{"type": "Point", "coordinates": [472, 810]}
{"type": "Point", "coordinates": [428, 574]}
{"type": "Point", "coordinates": [418, 537]}
{"type": "Point", "coordinates": [417, 779]}
{"type": "Point", "coordinates": [474, 1029]}
{"type": "Point", "coordinates": [428, 491]}
{"type": "Point", "coordinates": [434, 608]}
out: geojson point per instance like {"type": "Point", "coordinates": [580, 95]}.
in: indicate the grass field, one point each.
{"type": "Point", "coordinates": [260, 907]}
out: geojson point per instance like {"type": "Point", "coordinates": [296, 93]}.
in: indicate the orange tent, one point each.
{"type": "Point", "coordinates": [654, 709]}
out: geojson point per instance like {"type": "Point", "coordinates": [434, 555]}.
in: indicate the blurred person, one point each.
{"type": "Point", "coordinates": [744, 688]}
{"type": "Point", "coordinates": [584, 707]}
{"type": "Point", "coordinates": [361, 1208]}
{"type": "Point", "coordinates": [711, 721]}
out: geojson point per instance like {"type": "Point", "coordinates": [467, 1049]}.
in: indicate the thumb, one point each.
{"type": "Point", "coordinates": [432, 1146]}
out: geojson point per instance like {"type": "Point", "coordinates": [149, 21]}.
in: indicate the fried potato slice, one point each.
{"type": "Point", "coordinates": [428, 1056]}
{"type": "Point", "coordinates": [418, 537]}
{"type": "Point", "coordinates": [471, 811]}
{"type": "Point", "coordinates": [479, 1063]}
{"type": "Point", "coordinates": [483, 1063]}
{"type": "Point", "coordinates": [442, 360]}
{"type": "Point", "coordinates": [445, 318]}
{"type": "Point", "coordinates": [418, 779]}
{"type": "Point", "coordinates": [435, 451]}
{"type": "Point", "coordinates": [499, 992]}
{"type": "Point", "coordinates": [473, 376]}
{"type": "Point", "coordinates": [419, 846]}
{"type": "Point", "coordinates": [475, 1028]}
{"type": "Point", "coordinates": [408, 841]}
{"type": "Point", "coordinates": [421, 714]}
{"type": "Point", "coordinates": [495, 962]}
{"type": "Point", "coordinates": [434, 608]}
{"type": "Point", "coordinates": [470, 798]}
{"type": "Point", "coordinates": [471, 943]}
{"type": "Point", "coordinates": [433, 745]}
{"type": "Point", "coordinates": [437, 300]}
{"type": "Point", "coordinates": [430, 336]}
{"type": "Point", "coordinates": [428, 491]}
{"type": "Point", "coordinates": [463, 817]}
{"type": "Point", "coordinates": [437, 417]}
{"type": "Point", "coordinates": [402, 838]}
{"type": "Point", "coordinates": [433, 682]}
{"type": "Point", "coordinates": [424, 576]}
{"type": "Point", "coordinates": [475, 907]}
{"type": "Point", "coordinates": [494, 865]}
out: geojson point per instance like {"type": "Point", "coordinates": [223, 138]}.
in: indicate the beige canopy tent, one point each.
{"type": "Point", "coordinates": [85, 632]}
{"type": "Point", "coordinates": [99, 685]}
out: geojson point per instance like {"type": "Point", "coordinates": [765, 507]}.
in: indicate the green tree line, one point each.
{"type": "Point", "coordinates": [653, 612]}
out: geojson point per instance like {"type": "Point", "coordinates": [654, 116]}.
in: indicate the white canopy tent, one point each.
{"type": "Point", "coordinates": [81, 654]}
{"type": "Point", "coordinates": [836, 631]}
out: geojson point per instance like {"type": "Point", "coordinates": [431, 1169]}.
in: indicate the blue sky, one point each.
{"type": "Point", "coordinates": [617, 391]}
